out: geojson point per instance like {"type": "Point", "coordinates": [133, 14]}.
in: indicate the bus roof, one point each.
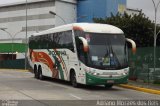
{"type": "Point", "coordinates": [86, 27]}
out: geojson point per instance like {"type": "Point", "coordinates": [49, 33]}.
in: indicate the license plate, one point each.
{"type": "Point", "coordinates": [110, 81]}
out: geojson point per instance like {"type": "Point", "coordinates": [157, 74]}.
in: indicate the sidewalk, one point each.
{"type": "Point", "coordinates": [144, 87]}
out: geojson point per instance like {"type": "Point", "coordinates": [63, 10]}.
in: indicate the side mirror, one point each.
{"type": "Point", "coordinates": [85, 44]}
{"type": "Point", "coordinates": [133, 44]}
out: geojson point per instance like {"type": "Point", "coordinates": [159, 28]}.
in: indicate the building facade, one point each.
{"type": "Point", "coordinates": [13, 16]}
{"type": "Point", "coordinates": [20, 20]}
{"type": "Point", "coordinates": [132, 12]}
{"type": "Point", "coordinates": [32, 16]}
{"type": "Point", "coordinates": [89, 9]}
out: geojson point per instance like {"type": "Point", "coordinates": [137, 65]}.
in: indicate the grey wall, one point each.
{"type": "Point", "coordinates": [14, 17]}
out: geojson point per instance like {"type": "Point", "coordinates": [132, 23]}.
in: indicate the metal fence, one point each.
{"type": "Point", "coordinates": [142, 65]}
{"type": "Point", "coordinates": [14, 64]}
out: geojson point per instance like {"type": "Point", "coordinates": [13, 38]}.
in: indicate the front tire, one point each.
{"type": "Point", "coordinates": [108, 86]}
{"type": "Point", "coordinates": [73, 79]}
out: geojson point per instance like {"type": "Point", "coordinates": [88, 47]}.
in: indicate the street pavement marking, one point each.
{"type": "Point", "coordinates": [152, 91]}
{"type": "Point", "coordinates": [75, 96]}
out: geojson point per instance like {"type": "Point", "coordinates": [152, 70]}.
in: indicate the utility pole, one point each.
{"type": "Point", "coordinates": [26, 36]}
{"type": "Point", "coordinates": [155, 30]}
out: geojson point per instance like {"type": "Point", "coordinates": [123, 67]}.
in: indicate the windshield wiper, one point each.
{"type": "Point", "coordinates": [115, 58]}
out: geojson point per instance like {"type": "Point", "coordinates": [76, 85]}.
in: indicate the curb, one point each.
{"type": "Point", "coordinates": [20, 70]}
{"type": "Point", "coordinates": [23, 70]}
{"type": "Point", "coordinates": [152, 91]}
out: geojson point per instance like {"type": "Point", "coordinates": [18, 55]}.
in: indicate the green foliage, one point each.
{"type": "Point", "coordinates": [136, 27]}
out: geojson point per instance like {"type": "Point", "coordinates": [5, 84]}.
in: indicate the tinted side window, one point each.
{"type": "Point", "coordinates": [33, 42]}
{"type": "Point", "coordinates": [66, 40]}
{"type": "Point", "coordinates": [61, 40]}
{"type": "Point", "coordinates": [51, 41]}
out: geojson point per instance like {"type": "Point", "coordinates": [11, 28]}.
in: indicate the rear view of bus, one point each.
{"type": "Point", "coordinates": [103, 54]}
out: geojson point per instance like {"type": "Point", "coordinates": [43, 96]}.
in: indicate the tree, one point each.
{"type": "Point", "coordinates": [137, 27]}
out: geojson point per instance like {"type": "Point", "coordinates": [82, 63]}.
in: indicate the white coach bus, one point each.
{"type": "Point", "coordinates": [83, 53]}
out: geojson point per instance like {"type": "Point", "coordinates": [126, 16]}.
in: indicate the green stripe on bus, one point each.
{"type": "Point", "coordinates": [95, 80]}
{"type": "Point", "coordinates": [60, 69]}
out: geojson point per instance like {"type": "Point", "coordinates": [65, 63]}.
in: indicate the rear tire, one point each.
{"type": "Point", "coordinates": [35, 72]}
{"type": "Point", "coordinates": [40, 75]}
{"type": "Point", "coordinates": [73, 79]}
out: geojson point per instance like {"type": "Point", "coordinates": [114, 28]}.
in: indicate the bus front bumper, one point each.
{"type": "Point", "coordinates": [95, 80]}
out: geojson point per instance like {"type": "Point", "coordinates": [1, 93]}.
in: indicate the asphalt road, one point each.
{"type": "Point", "coordinates": [19, 88]}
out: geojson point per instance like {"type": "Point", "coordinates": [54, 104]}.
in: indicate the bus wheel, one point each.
{"type": "Point", "coordinates": [73, 79]}
{"type": "Point", "coordinates": [108, 86]}
{"type": "Point", "coordinates": [35, 72]}
{"type": "Point", "coordinates": [40, 76]}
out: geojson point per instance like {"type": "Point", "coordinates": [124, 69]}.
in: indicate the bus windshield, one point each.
{"type": "Point", "coordinates": [106, 51]}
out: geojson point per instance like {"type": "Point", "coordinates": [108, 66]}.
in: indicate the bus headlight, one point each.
{"type": "Point", "coordinates": [95, 73]}
{"type": "Point", "coordinates": [126, 71]}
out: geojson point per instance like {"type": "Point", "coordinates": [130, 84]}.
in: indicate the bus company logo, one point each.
{"type": "Point", "coordinates": [60, 53]}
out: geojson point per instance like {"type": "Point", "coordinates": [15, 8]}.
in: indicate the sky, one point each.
{"type": "Point", "coordinates": [146, 6]}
